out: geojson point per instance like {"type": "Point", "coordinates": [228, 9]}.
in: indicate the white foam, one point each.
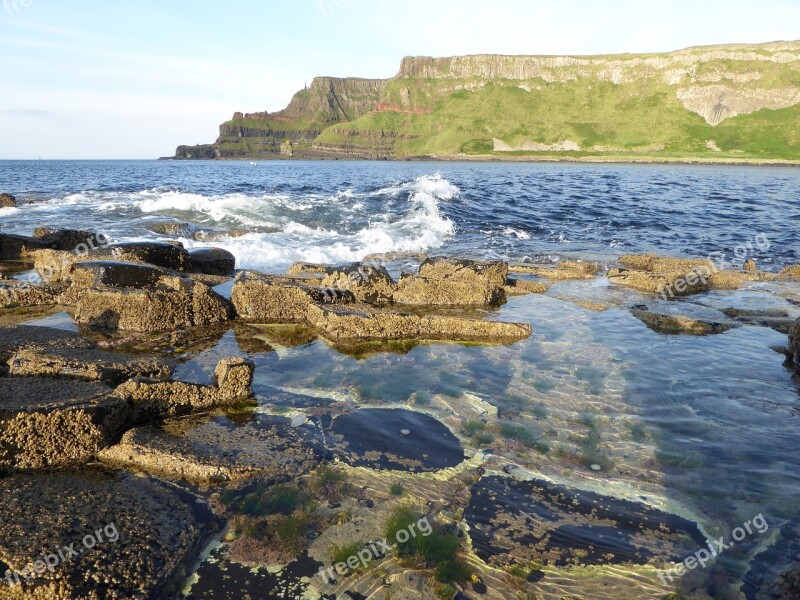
{"type": "Point", "coordinates": [422, 227]}
{"type": "Point", "coordinates": [7, 211]}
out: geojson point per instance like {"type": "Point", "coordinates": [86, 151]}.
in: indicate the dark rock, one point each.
{"type": "Point", "coordinates": [212, 261]}
{"type": "Point", "coordinates": [14, 247]}
{"type": "Point", "coordinates": [108, 273]}
{"type": "Point", "coordinates": [147, 535]}
{"type": "Point", "coordinates": [69, 239]}
{"type": "Point", "coordinates": [7, 201]}
{"type": "Point", "coordinates": [160, 254]}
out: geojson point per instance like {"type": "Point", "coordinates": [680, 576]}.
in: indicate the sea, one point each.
{"type": "Point", "coordinates": [705, 428]}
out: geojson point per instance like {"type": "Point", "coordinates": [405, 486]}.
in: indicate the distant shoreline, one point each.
{"type": "Point", "coordinates": [491, 158]}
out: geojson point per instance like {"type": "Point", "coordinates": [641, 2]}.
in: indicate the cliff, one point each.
{"type": "Point", "coordinates": [732, 102]}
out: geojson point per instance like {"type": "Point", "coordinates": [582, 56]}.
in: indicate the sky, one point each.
{"type": "Point", "coordinates": [116, 79]}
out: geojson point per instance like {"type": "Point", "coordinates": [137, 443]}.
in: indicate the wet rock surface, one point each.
{"type": "Point", "coordinates": [363, 322]}
{"type": "Point", "coordinates": [116, 274]}
{"type": "Point", "coordinates": [7, 201]}
{"type": "Point", "coordinates": [399, 439]}
{"type": "Point", "coordinates": [149, 533]}
{"type": "Point", "coordinates": [212, 261]}
{"type": "Point", "coordinates": [160, 254]}
{"type": "Point", "coordinates": [516, 521]}
{"type": "Point", "coordinates": [215, 449]}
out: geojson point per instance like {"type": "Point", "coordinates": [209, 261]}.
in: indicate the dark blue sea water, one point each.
{"type": "Point", "coordinates": [342, 210]}
{"type": "Point", "coordinates": [702, 427]}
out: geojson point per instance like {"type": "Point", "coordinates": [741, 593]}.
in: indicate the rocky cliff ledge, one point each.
{"type": "Point", "coordinates": [734, 103]}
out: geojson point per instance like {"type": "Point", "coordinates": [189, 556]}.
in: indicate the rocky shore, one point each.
{"type": "Point", "coordinates": [97, 426]}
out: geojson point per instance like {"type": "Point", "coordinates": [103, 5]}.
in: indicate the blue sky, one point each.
{"type": "Point", "coordinates": [114, 79]}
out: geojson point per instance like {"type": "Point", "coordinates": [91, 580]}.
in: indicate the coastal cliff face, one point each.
{"type": "Point", "coordinates": [735, 102]}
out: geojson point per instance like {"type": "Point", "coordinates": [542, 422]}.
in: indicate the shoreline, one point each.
{"type": "Point", "coordinates": [486, 158]}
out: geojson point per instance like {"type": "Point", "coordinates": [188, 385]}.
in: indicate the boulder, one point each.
{"type": "Point", "coordinates": [363, 322]}
{"type": "Point", "coordinates": [413, 290]}
{"type": "Point", "coordinates": [161, 254]}
{"type": "Point", "coordinates": [265, 299]}
{"type": "Point", "coordinates": [7, 201]}
{"type": "Point", "coordinates": [445, 281]}
{"type": "Point", "coordinates": [69, 239]}
{"type": "Point", "coordinates": [175, 305]}
{"type": "Point", "coordinates": [492, 273]}
{"type": "Point", "coordinates": [212, 261]}
{"type": "Point", "coordinates": [115, 274]}
{"type": "Point", "coordinates": [368, 283]}
{"type": "Point", "coordinates": [212, 449]}
{"type": "Point", "coordinates": [146, 535]}
{"type": "Point", "coordinates": [15, 247]}
{"type": "Point", "coordinates": [233, 378]}
{"type": "Point", "coordinates": [47, 422]}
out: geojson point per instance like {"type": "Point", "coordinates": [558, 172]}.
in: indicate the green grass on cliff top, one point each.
{"type": "Point", "coordinates": [641, 118]}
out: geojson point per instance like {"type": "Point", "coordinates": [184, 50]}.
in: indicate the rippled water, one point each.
{"type": "Point", "coordinates": [703, 427]}
{"type": "Point", "coordinates": [342, 211]}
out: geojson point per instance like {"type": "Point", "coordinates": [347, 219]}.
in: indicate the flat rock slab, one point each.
{"type": "Point", "coordinates": [145, 534]}
{"type": "Point", "coordinates": [216, 449]}
{"type": "Point", "coordinates": [673, 317]}
{"type": "Point", "coordinates": [363, 322]}
{"type": "Point", "coordinates": [513, 522]}
{"type": "Point", "coordinates": [265, 299]}
{"type": "Point", "coordinates": [90, 364]}
{"type": "Point", "coordinates": [160, 254]}
{"type": "Point", "coordinates": [55, 422]}
{"type": "Point", "coordinates": [397, 439]}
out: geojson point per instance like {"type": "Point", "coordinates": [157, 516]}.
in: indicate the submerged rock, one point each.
{"type": "Point", "coordinates": [515, 522]}
{"type": "Point", "coordinates": [212, 261]}
{"type": "Point", "coordinates": [363, 322]}
{"type": "Point", "coordinates": [397, 439]}
{"type": "Point", "coordinates": [132, 537]}
{"type": "Point", "coordinates": [215, 449]}
{"type": "Point", "coordinates": [266, 299]}
{"type": "Point", "coordinates": [48, 422]}
{"type": "Point", "coordinates": [667, 322]}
